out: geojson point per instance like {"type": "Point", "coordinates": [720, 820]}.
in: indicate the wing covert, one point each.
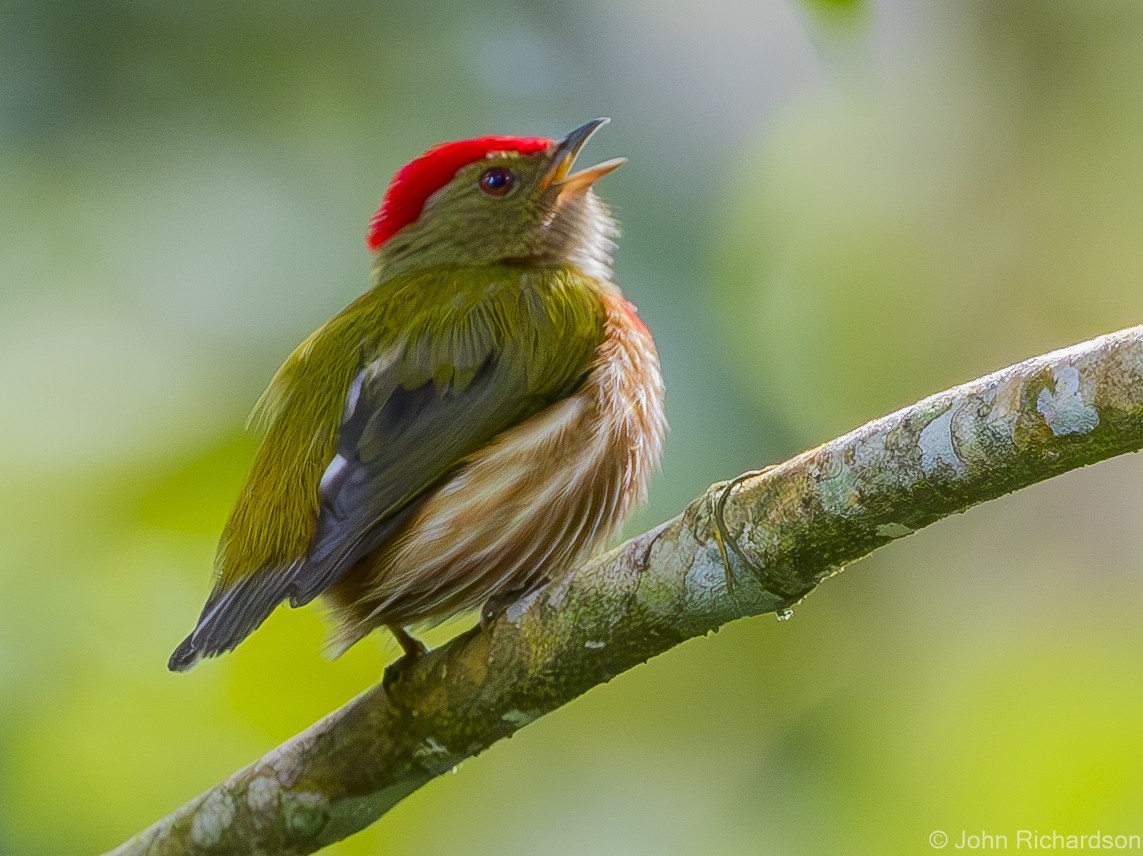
{"type": "Point", "coordinates": [404, 436]}
{"type": "Point", "coordinates": [432, 388]}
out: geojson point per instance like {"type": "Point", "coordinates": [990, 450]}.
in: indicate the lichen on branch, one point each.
{"type": "Point", "coordinates": [791, 527]}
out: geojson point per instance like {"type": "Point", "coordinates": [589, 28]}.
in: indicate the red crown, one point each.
{"type": "Point", "coordinates": [419, 179]}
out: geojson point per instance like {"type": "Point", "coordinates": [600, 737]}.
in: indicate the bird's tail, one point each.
{"type": "Point", "coordinates": [233, 613]}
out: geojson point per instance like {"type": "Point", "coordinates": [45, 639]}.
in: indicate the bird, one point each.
{"type": "Point", "coordinates": [477, 423]}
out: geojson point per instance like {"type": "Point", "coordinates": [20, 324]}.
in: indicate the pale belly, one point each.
{"type": "Point", "coordinates": [531, 505]}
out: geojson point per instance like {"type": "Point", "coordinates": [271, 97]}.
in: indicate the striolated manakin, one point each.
{"type": "Point", "coordinates": [478, 421]}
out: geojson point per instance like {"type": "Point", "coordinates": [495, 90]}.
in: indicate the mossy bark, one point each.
{"type": "Point", "coordinates": [792, 527]}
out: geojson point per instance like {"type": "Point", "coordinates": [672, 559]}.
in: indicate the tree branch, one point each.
{"type": "Point", "coordinates": [790, 528]}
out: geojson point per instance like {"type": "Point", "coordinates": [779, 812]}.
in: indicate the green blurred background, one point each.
{"type": "Point", "coordinates": [831, 210]}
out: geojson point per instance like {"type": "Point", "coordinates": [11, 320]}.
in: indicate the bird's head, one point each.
{"type": "Point", "coordinates": [495, 199]}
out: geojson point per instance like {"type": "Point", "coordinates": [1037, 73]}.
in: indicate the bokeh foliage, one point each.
{"type": "Point", "coordinates": [821, 225]}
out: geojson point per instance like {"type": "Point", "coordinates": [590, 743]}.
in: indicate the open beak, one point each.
{"type": "Point", "coordinates": [559, 174]}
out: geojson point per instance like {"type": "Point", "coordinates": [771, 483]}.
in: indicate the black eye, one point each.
{"type": "Point", "coordinates": [497, 181]}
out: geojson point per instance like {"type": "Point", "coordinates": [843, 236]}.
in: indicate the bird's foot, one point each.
{"type": "Point", "coordinates": [496, 604]}
{"type": "Point", "coordinates": [722, 536]}
{"type": "Point", "coordinates": [414, 649]}
{"type": "Point", "coordinates": [723, 539]}
{"type": "Point", "coordinates": [411, 645]}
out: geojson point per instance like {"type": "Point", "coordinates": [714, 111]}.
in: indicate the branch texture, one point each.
{"type": "Point", "coordinates": [787, 530]}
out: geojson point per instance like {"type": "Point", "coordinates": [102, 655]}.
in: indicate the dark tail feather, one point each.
{"type": "Point", "coordinates": [233, 614]}
{"type": "Point", "coordinates": [330, 559]}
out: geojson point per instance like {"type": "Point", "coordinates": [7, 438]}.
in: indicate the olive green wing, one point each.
{"type": "Point", "coordinates": [413, 413]}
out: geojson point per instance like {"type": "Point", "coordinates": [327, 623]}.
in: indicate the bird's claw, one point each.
{"type": "Point", "coordinates": [414, 649]}
{"type": "Point", "coordinates": [722, 536]}
{"type": "Point", "coordinates": [723, 540]}
{"type": "Point", "coordinates": [498, 603]}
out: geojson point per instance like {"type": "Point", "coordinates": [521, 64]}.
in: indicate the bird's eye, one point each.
{"type": "Point", "coordinates": [497, 181]}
